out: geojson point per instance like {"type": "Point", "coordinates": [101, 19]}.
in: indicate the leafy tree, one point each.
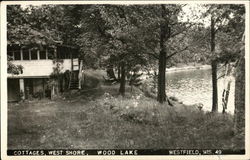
{"type": "Point", "coordinates": [220, 18]}
{"type": "Point", "coordinates": [168, 29]}
{"type": "Point", "coordinates": [236, 28]}
{"type": "Point", "coordinates": [117, 38]}
{"type": "Point", "coordinates": [240, 90]}
{"type": "Point", "coordinates": [123, 36]}
{"type": "Point", "coordinates": [29, 27]}
{"type": "Point", "coordinates": [133, 34]}
{"type": "Point", "coordinates": [135, 77]}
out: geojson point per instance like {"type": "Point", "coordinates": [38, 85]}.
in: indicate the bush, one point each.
{"type": "Point", "coordinates": [91, 80]}
{"type": "Point", "coordinates": [38, 94]}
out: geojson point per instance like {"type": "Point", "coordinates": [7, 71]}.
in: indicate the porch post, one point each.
{"type": "Point", "coordinates": [29, 54]}
{"type": "Point", "coordinates": [46, 51]}
{"type": "Point", "coordinates": [38, 54]}
{"type": "Point", "coordinates": [22, 91]}
{"type": "Point", "coordinates": [55, 53]}
{"type": "Point", "coordinates": [80, 75]}
{"type": "Point", "coordinates": [71, 57]}
{"type": "Point", "coordinates": [21, 52]}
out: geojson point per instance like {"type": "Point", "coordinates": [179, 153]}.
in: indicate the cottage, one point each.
{"type": "Point", "coordinates": [38, 64]}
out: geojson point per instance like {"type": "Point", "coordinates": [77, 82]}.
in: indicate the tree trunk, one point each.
{"type": "Point", "coordinates": [80, 75]}
{"type": "Point", "coordinates": [119, 72]}
{"type": "Point", "coordinates": [239, 112]}
{"type": "Point", "coordinates": [53, 92]}
{"type": "Point", "coordinates": [226, 91]}
{"type": "Point", "coordinates": [214, 68]}
{"type": "Point", "coordinates": [164, 35]}
{"type": "Point", "coordinates": [110, 72]}
{"type": "Point", "coordinates": [225, 97]}
{"type": "Point", "coordinates": [215, 88]}
{"type": "Point", "coordinates": [123, 79]}
{"type": "Point", "coordinates": [161, 96]}
{"type": "Point", "coordinates": [161, 77]}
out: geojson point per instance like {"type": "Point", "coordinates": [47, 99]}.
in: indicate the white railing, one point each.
{"type": "Point", "coordinates": [39, 68]}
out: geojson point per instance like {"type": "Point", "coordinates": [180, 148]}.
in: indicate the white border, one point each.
{"type": "Point", "coordinates": [4, 83]}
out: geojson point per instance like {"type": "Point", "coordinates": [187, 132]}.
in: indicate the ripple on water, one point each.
{"type": "Point", "coordinates": [195, 86]}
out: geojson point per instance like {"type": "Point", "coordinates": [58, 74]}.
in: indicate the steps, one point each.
{"type": "Point", "coordinates": [75, 74]}
{"type": "Point", "coordinates": [74, 81]}
{"type": "Point", "coordinates": [74, 84]}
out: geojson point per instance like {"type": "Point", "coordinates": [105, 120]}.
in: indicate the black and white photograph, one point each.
{"type": "Point", "coordinates": [125, 78]}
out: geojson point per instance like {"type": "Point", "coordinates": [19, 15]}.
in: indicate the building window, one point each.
{"type": "Point", "coordinates": [17, 55]}
{"type": "Point", "coordinates": [42, 54]}
{"type": "Point", "coordinates": [50, 54]}
{"type": "Point", "coordinates": [26, 55]}
{"type": "Point", "coordinates": [33, 54]}
{"type": "Point", "coordinates": [10, 55]}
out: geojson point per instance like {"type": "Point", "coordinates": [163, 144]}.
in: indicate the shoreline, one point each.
{"type": "Point", "coordinates": [176, 69]}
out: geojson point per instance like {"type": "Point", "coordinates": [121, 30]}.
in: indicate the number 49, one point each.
{"type": "Point", "coordinates": [218, 152]}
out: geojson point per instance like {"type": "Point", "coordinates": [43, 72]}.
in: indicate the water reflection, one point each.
{"type": "Point", "coordinates": [195, 86]}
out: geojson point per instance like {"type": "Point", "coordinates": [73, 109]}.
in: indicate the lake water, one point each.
{"type": "Point", "coordinates": [195, 86]}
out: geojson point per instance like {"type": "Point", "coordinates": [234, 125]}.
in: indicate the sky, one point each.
{"type": "Point", "coordinates": [193, 13]}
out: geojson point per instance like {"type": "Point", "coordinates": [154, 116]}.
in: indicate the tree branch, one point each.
{"type": "Point", "coordinates": [171, 55]}
{"type": "Point", "coordinates": [153, 55]}
{"type": "Point", "coordinates": [175, 34]}
{"type": "Point", "coordinates": [221, 76]}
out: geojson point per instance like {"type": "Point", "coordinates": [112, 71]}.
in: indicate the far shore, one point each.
{"type": "Point", "coordinates": [179, 68]}
{"type": "Point", "coordinates": [176, 69]}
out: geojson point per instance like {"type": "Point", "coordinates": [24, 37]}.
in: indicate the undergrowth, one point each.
{"type": "Point", "coordinates": [103, 119]}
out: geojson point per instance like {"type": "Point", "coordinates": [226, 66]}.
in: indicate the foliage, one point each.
{"type": "Point", "coordinates": [28, 26]}
{"type": "Point", "coordinates": [57, 69]}
{"type": "Point", "coordinates": [92, 78]}
{"type": "Point", "coordinates": [12, 68]}
{"type": "Point", "coordinates": [134, 76]}
{"type": "Point", "coordinates": [229, 28]}
{"type": "Point", "coordinates": [109, 33]}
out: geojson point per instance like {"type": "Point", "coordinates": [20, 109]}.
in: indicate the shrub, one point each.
{"type": "Point", "coordinates": [91, 80]}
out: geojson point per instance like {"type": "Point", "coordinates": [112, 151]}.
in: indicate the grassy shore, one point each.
{"type": "Point", "coordinates": [100, 118]}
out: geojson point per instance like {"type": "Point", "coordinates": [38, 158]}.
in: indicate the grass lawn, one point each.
{"type": "Point", "coordinates": [101, 119]}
